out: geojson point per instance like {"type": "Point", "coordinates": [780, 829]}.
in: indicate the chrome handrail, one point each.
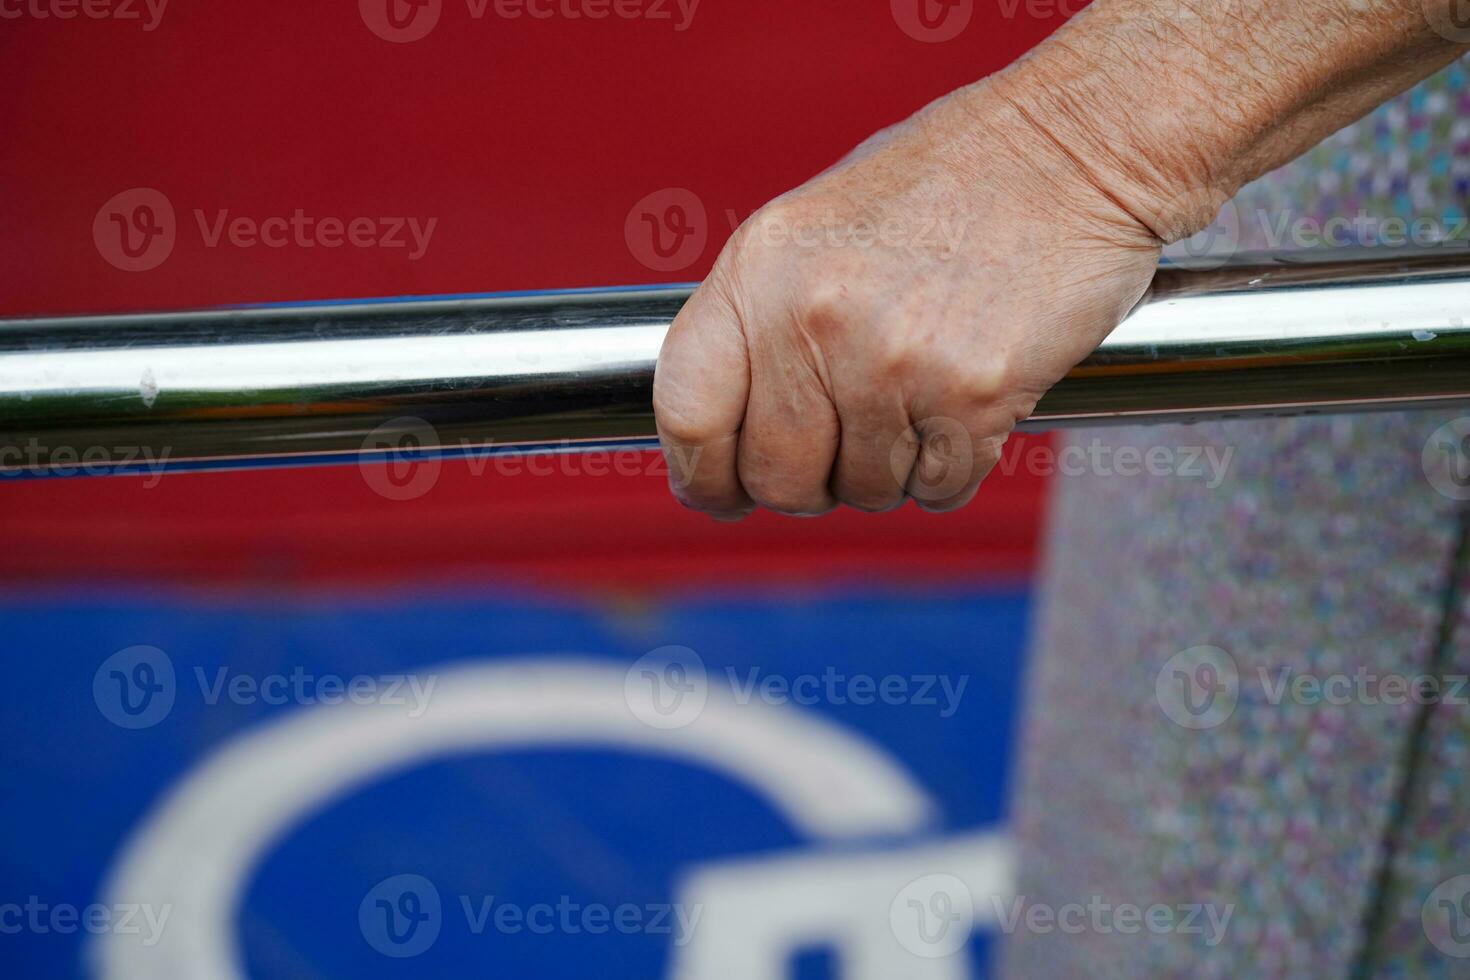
{"type": "Point", "coordinates": [513, 372]}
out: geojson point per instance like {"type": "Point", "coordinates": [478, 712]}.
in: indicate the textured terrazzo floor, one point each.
{"type": "Point", "coordinates": [1324, 552]}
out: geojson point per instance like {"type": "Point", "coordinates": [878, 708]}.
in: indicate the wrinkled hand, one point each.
{"type": "Point", "coordinates": [877, 333]}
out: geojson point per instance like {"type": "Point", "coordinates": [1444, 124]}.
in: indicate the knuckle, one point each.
{"type": "Point", "coordinates": [941, 506]}
{"type": "Point", "coordinates": [827, 308]}
{"type": "Point", "coordinates": [897, 356]}
{"type": "Point", "coordinates": [772, 220]}
{"type": "Point", "coordinates": [979, 381]}
{"type": "Point", "coordinates": [792, 504]}
{"type": "Point", "coordinates": [873, 501]}
{"type": "Point", "coordinates": [786, 497]}
{"type": "Point", "coordinates": [720, 505]}
{"type": "Point", "coordinates": [770, 227]}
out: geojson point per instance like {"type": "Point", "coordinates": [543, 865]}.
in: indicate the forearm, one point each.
{"type": "Point", "coordinates": [1170, 106]}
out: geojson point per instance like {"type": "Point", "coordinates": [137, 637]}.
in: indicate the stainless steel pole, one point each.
{"type": "Point", "coordinates": [315, 382]}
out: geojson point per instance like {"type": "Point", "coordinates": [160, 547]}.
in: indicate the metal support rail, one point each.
{"type": "Point", "coordinates": [317, 382]}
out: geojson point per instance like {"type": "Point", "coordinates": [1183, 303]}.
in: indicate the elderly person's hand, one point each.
{"type": "Point", "coordinates": [880, 330]}
{"type": "Point", "coordinates": [876, 333]}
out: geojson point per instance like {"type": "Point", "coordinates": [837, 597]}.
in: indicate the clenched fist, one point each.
{"type": "Point", "coordinates": [877, 333]}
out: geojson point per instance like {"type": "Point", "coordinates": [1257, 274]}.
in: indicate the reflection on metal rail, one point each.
{"type": "Point", "coordinates": [310, 383]}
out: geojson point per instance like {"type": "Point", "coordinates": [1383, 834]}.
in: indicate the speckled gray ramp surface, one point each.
{"type": "Point", "coordinates": [1422, 935]}
{"type": "Point", "coordinates": [1322, 553]}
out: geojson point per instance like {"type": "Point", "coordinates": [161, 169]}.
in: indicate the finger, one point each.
{"type": "Point", "coordinates": [699, 392]}
{"type": "Point", "coordinates": [789, 441]}
{"type": "Point", "coordinates": [875, 454]}
{"type": "Point", "coordinates": [952, 462]}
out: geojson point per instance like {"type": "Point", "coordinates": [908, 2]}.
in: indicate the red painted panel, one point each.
{"type": "Point", "coordinates": [527, 141]}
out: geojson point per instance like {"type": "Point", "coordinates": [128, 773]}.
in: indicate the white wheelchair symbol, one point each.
{"type": "Point", "coordinates": [197, 850]}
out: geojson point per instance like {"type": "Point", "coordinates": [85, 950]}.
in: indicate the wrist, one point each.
{"type": "Point", "coordinates": [1171, 106]}
{"type": "Point", "coordinates": [1155, 159]}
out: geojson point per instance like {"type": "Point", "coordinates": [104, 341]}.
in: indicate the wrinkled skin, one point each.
{"type": "Point", "coordinates": [878, 332]}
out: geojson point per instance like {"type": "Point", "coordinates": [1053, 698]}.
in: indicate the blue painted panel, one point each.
{"type": "Point", "coordinates": [546, 860]}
